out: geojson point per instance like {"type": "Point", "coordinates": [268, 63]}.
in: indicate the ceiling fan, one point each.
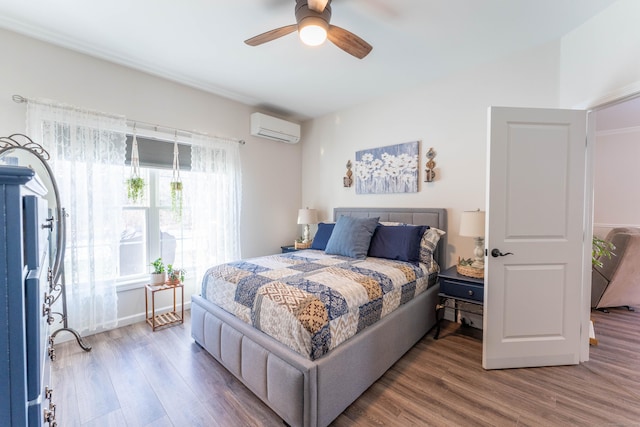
{"type": "Point", "coordinates": [312, 17]}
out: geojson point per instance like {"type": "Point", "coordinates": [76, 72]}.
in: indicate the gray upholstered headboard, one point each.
{"type": "Point", "coordinates": [433, 217]}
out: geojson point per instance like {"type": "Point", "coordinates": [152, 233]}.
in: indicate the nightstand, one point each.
{"type": "Point", "coordinates": [288, 248]}
{"type": "Point", "coordinates": [456, 288]}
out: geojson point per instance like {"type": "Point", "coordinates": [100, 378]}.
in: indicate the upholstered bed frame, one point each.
{"type": "Point", "coordinates": [313, 393]}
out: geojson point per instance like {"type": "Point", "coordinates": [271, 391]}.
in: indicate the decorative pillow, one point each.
{"type": "Point", "coordinates": [351, 236]}
{"type": "Point", "coordinates": [428, 244]}
{"type": "Point", "coordinates": [397, 242]}
{"type": "Point", "coordinates": [322, 235]}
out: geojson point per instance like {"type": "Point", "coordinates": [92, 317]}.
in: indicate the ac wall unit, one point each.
{"type": "Point", "coordinates": [274, 128]}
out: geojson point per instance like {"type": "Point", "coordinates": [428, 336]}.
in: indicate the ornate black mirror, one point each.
{"type": "Point", "coordinates": [20, 150]}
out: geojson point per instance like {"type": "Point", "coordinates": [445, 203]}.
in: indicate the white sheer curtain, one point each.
{"type": "Point", "coordinates": [87, 151]}
{"type": "Point", "coordinates": [216, 197]}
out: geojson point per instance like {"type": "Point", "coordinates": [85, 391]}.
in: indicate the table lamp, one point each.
{"type": "Point", "coordinates": [307, 216]}
{"type": "Point", "coordinates": [472, 225]}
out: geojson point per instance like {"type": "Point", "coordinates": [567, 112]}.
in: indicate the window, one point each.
{"type": "Point", "coordinates": [151, 230]}
{"type": "Point", "coordinates": [207, 232]}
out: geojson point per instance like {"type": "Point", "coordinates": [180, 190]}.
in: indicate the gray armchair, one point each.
{"type": "Point", "coordinates": [617, 282]}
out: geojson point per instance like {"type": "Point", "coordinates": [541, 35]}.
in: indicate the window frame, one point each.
{"type": "Point", "coordinates": [152, 207]}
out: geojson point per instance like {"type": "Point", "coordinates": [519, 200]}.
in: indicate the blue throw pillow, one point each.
{"type": "Point", "coordinates": [322, 236]}
{"type": "Point", "coordinates": [397, 242]}
{"type": "Point", "coordinates": [351, 236]}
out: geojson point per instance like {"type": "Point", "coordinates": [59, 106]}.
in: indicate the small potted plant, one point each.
{"type": "Point", "coordinates": [176, 199]}
{"type": "Point", "coordinates": [175, 276]}
{"type": "Point", "coordinates": [176, 183]}
{"type": "Point", "coordinates": [159, 275]}
{"type": "Point", "coordinates": [135, 184]}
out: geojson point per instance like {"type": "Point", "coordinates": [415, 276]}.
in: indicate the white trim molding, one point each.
{"type": "Point", "coordinates": [614, 97]}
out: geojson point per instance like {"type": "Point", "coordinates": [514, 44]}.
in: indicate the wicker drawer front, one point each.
{"type": "Point", "coordinates": [462, 290]}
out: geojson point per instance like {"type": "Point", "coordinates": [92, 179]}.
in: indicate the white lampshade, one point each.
{"type": "Point", "coordinates": [472, 223]}
{"type": "Point", "coordinates": [307, 216]}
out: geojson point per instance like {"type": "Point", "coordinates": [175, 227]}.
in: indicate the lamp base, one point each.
{"type": "Point", "coordinates": [306, 236]}
{"type": "Point", "coordinates": [478, 252]}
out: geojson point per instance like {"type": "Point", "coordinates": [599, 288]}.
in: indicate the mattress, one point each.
{"type": "Point", "coordinates": [312, 301]}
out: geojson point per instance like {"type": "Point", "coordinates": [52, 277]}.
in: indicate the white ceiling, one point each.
{"type": "Point", "coordinates": [200, 42]}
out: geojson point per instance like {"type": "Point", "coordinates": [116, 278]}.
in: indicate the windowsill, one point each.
{"type": "Point", "coordinates": [137, 283]}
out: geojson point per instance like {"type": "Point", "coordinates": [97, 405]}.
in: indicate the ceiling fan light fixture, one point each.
{"type": "Point", "coordinates": [312, 24]}
{"type": "Point", "coordinates": [312, 31]}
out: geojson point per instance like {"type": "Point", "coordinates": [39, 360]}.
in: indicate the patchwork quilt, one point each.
{"type": "Point", "coordinates": [312, 301]}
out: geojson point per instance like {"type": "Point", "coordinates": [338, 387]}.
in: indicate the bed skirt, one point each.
{"type": "Point", "coordinates": [301, 391]}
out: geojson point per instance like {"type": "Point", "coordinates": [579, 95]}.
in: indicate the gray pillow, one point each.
{"type": "Point", "coordinates": [351, 236]}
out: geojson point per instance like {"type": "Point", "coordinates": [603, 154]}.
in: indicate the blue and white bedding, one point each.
{"type": "Point", "coordinates": [312, 301]}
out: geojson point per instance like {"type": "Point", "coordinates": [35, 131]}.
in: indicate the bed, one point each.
{"type": "Point", "coordinates": [312, 389]}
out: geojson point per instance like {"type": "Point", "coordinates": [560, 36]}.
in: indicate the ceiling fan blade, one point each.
{"type": "Point", "coordinates": [271, 35]}
{"type": "Point", "coordinates": [317, 5]}
{"type": "Point", "coordinates": [348, 42]}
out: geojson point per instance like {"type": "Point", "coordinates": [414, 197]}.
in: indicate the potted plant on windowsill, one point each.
{"type": "Point", "coordinates": [159, 275]}
{"type": "Point", "coordinates": [175, 276]}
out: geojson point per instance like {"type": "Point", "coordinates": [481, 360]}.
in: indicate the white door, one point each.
{"type": "Point", "coordinates": [535, 237]}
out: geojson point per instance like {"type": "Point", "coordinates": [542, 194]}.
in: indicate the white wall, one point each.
{"type": "Point", "coordinates": [601, 59]}
{"type": "Point", "coordinates": [35, 69]}
{"type": "Point", "coordinates": [449, 115]}
{"type": "Point", "coordinates": [600, 63]}
{"type": "Point", "coordinates": [616, 178]}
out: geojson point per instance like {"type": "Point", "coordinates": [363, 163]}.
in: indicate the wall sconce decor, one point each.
{"type": "Point", "coordinates": [429, 173]}
{"type": "Point", "coordinates": [348, 180]}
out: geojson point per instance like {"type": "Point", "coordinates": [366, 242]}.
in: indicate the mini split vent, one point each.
{"type": "Point", "coordinates": [274, 128]}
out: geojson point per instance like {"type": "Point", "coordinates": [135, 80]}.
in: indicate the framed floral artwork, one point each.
{"type": "Point", "coordinates": [390, 169]}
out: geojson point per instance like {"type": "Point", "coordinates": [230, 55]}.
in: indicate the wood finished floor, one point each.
{"type": "Point", "coordinates": [135, 377]}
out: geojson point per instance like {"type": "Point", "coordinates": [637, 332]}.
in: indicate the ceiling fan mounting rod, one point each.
{"type": "Point", "coordinates": [317, 5]}
{"type": "Point", "coordinates": [305, 14]}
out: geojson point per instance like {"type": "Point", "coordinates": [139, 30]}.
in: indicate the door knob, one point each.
{"type": "Point", "coordinates": [496, 253]}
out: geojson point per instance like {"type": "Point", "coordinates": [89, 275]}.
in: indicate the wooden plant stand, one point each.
{"type": "Point", "coordinates": [163, 319]}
